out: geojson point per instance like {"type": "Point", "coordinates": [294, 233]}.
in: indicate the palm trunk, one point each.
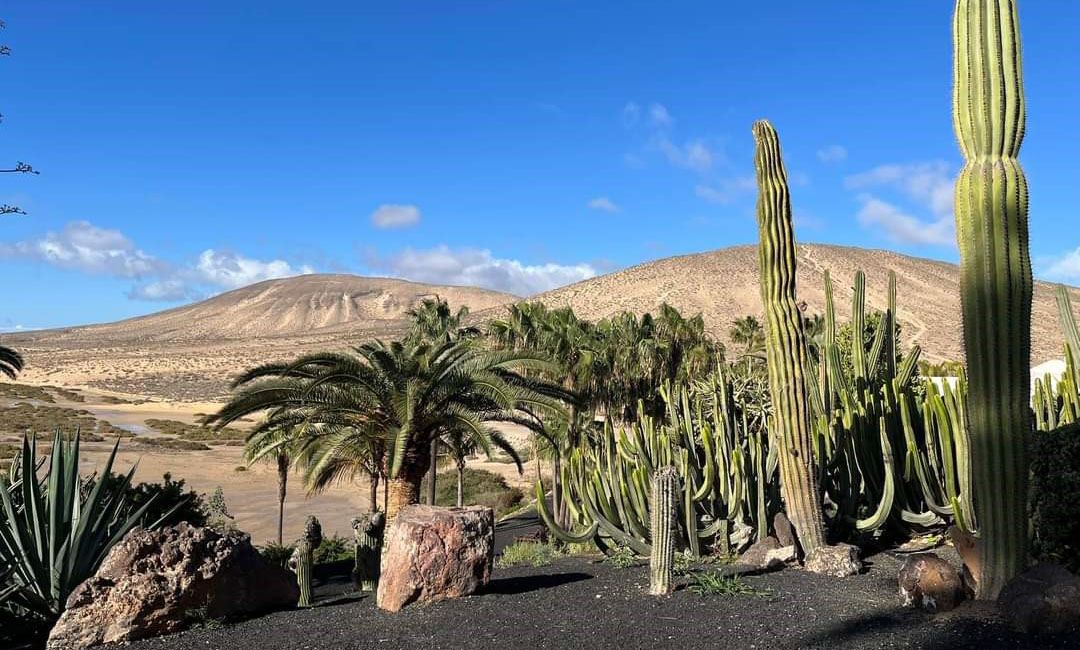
{"type": "Point", "coordinates": [373, 490]}
{"type": "Point", "coordinates": [283, 481]}
{"type": "Point", "coordinates": [432, 471]}
{"type": "Point", "coordinates": [404, 490]}
{"type": "Point", "coordinates": [385, 491]}
{"type": "Point", "coordinates": [461, 482]}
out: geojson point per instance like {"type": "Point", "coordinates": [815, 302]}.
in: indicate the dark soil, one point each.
{"type": "Point", "coordinates": [579, 603]}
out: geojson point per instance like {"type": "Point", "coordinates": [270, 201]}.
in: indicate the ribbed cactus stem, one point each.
{"type": "Point", "coordinates": [303, 559]}
{"type": "Point", "coordinates": [368, 538]}
{"type": "Point", "coordinates": [665, 495]}
{"type": "Point", "coordinates": [301, 564]}
{"type": "Point", "coordinates": [995, 284]}
{"type": "Point", "coordinates": [786, 344]}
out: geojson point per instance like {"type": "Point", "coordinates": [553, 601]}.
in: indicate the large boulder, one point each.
{"type": "Point", "coordinates": [1043, 600]}
{"type": "Point", "coordinates": [928, 582]}
{"type": "Point", "coordinates": [838, 560]}
{"type": "Point", "coordinates": [158, 582]}
{"type": "Point", "coordinates": [431, 554]}
{"type": "Point", "coordinates": [757, 555]}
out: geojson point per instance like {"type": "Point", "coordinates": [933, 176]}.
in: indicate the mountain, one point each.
{"type": "Point", "coordinates": [190, 352]}
{"type": "Point", "coordinates": [300, 305]}
{"type": "Point", "coordinates": [723, 285]}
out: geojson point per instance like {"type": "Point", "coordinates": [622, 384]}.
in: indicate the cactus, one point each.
{"type": "Point", "coordinates": [665, 487]}
{"type": "Point", "coordinates": [368, 537]}
{"type": "Point", "coordinates": [786, 344]}
{"type": "Point", "coordinates": [303, 558]}
{"type": "Point", "coordinates": [995, 279]}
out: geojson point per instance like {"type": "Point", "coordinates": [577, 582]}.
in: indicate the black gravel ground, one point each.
{"type": "Point", "coordinates": [579, 603]}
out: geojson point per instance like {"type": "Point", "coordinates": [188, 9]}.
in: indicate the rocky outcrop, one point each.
{"type": "Point", "coordinates": [158, 582]}
{"type": "Point", "coordinates": [1043, 600]}
{"type": "Point", "coordinates": [757, 555]}
{"type": "Point", "coordinates": [784, 531]}
{"type": "Point", "coordinates": [838, 561]}
{"type": "Point", "coordinates": [432, 554]}
{"type": "Point", "coordinates": [928, 582]}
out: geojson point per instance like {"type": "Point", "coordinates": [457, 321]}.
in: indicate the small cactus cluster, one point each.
{"type": "Point", "coordinates": [665, 494]}
{"type": "Point", "coordinates": [368, 538]}
{"type": "Point", "coordinates": [303, 559]}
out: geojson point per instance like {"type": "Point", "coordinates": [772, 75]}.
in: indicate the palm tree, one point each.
{"type": "Point", "coordinates": [432, 321]}
{"type": "Point", "coordinates": [11, 362]}
{"type": "Point", "coordinates": [401, 395]}
{"type": "Point", "coordinates": [747, 331]}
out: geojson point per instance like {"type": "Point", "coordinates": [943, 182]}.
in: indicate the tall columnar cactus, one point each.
{"type": "Point", "coordinates": [665, 495]}
{"type": "Point", "coordinates": [786, 343]}
{"type": "Point", "coordinates": [368, 537]}
{"type": "Point", "coordinates": [303, 559]}
{"type": "Point", "coordinates": [995, 279]}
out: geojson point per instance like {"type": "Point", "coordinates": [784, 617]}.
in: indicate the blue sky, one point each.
{"type": "Point", "coordinates": [189, 149]}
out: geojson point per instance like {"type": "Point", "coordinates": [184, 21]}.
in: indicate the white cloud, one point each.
{"type": "Point", "coordinates": [694, 154]}
{"type": "Point", "coordinates": [660, 115]}
{"type": "Point", "coordinates": [726, 190]}
{"type": "Point", "coordinates": [478, 267]}
{"type": "Point", "coordinates": [231, 270]}
{"type": "Point", "coordinates": [395, 216]}
{"type": "Point", "coordinates": [631, 114]}
{"type": "Point", "coordinates": [928, 185]}
{"type": "Point", "coordinates": [832, 154]}
{"type": "Point", "coordinates": [82, 246]}
{"type": "Point", "coordinates": [902, 227]}
{"type": "Point", "coordinates": [604, 204]}
{"type": "Point", "coordinates": [1064, 268]}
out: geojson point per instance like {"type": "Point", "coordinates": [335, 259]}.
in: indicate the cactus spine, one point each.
{"type": "Point", "coordinates": [303, 558]}
{"type": "Point", "coordinates": [995, 284]}
{"type": "Point", "coordinates": [368, 538]}
{"type": "Point", "coordinates": [665, 490]}
{"type": "Point", "coordinates": [786, 344]}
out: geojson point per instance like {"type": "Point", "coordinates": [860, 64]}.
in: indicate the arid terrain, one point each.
{"type": "Point", "coordinates": [176, 365]}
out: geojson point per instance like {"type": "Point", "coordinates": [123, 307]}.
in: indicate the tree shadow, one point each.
{"type": "Point", "coordinates": [525, 584]}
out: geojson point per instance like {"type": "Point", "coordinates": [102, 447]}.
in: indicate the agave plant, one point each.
{"type": "Point", "coordinates": [56, 530]}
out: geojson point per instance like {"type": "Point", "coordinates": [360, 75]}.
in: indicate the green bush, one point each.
{"type": "Point", "coordinates": [334, 548]}
{"type": "Point", "coordinates": [278, 554]}
{"type": "Point", "coordinates": [622, 557]}
{"type": "Point", "coordinates": [165, 496]}
{"type": "Point", "coordinates": [528, 553]}
{"type": "Point", "coordinates": [482, 488]}
{"type": "Point", "coordinates": [1055, 495]}
{"type": "Point", "coordinates": [713, 583]}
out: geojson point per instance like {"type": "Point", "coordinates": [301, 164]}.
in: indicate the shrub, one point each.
{"type": "Point", "coordinates": [622, 557]}
{"type": "Point", "coordinates": [334, 548]}
{"type": "Point", "coordinates": [482, 488]}
{"type": "Point", "coordinates": [528, 553]}
{"type": "Point", "coordinates": [169, 495]}
{"type": "Point", "coordinates": [1055, 484]}
{"type": "Point", "coordinates": [713, 583]}
{"type": "Point", "coordinates": [278, 554]}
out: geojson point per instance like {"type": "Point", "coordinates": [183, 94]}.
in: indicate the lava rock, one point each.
{"type": "Point", "coordinates": [967, 547]}
{"type": "Point", "coordinates": [155, 582]}
{"type": "Point", "coordinates": [928, 582]}
{"type": "Point", "coordinates": [757, 555]}
{"type": "Point", "coordinates": [838, 561]}
{"type": "Point", "coordinates": [432, 554]}
{"type": "Point", "coordinates": [785, 532]}
{"type": "Point", "coordinates": [781, 556]}
{"type": "Point", "coordinates": [1043, 600]}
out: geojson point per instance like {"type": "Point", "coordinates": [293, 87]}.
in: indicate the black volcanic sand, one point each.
{"type": "Point", "coordinates": [578, 603]}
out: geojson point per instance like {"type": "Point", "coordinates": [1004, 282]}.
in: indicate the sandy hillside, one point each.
{"type": "Point", "coordinates": [189, 353]}
{"type": "Point", "coordinates": [723, 285]}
